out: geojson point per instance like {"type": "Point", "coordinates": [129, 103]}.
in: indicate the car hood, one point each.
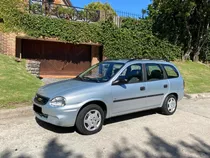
{"type": "Point", "coordinates": [63, 87]}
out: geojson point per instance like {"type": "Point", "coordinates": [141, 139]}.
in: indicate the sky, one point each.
{"type": "Point", "coordinates": [131, 6]}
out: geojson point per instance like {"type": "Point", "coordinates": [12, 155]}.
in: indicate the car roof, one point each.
{"type": "Point", "coordinates": [124, 61]}
{"type": "Point", "coordinates": [117, 61]}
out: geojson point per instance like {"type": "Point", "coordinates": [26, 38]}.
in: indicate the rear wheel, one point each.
{"type": "Point", "coordinates": [169, 105]}
{"type": "Point", "coordinates": [90, 119]}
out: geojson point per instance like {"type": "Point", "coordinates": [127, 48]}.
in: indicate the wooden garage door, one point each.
{"type": "Point", "coordinates": [58, 58]}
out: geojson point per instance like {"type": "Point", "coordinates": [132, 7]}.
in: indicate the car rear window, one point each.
{"type": "Point", "coordinates": [154, 72]}
{"type": "Point", "coordinates": [171, 71]}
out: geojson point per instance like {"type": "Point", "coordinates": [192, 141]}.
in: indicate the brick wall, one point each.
{"type": "Point", "coordinates": [8, 43]}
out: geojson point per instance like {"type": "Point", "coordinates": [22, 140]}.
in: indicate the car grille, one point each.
{"type": "Point", "coordinates": [41, 99]}
{"type": "Point", "coordinates": [37, 109]}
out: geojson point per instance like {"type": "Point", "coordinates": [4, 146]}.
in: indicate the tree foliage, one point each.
{"type": "Point", "coordinates": [185, 23]}
{"type": "Point", "coordinates": [132, 41]}
{"type": "Point", "coordinates": [101, 6]}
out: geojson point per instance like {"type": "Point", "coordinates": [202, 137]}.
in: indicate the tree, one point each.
{"type": "Point", "coordinates": [143, 11]}
{"type": "Point", "coordinates": [185, 23]}
{"type": "Point", "coordinates": [205, 51]}
{"type": "Point", "coordinates": [101, 6]}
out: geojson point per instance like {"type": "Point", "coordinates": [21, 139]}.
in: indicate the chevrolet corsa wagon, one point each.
{"type": "Point", "coordinates": [110, 88]}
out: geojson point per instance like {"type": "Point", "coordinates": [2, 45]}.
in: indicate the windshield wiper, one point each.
{"type": "Point", "coordinates": [87, 78]}
{"type": "Point", "coordinates": [80, 78]}
{"type": "Point", "coordinates": [92, 79]}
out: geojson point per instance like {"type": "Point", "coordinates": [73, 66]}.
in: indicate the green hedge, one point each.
{"type": "Point", "coordinates": [127, 43]}
{"type": "Point", "coordinates": [76, 32]}
{"type": "Point", "coordinates": [133, 40]}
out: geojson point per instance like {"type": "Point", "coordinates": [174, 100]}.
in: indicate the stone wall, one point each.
{"type": "Point", "coordinates": [33, 67]}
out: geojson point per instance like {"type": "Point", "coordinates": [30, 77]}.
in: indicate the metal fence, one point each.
{"type": "Point", "coordinates": [63, 11]}
{"type": "Point", "coordinates": [120, 15]}
{"type": "Point", "coordinates": [127, 14]}
{"type": "Point", "coordinates": [76, 13]}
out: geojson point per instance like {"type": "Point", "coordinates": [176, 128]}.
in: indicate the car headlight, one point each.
{"type": "Point", "coordinates": [58, 101]}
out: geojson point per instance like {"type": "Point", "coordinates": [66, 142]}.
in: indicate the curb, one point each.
{"type": "Point", "coordinates": [197, 96]}
{"type": "Point", "coordinates": [15, 113]}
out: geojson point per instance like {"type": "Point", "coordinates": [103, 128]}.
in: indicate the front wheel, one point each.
{"type": "Point", "coordinates": [90, 119]}
{"type": "Point", "coordinates": [169, 105]}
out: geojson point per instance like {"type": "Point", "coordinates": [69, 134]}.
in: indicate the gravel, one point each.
{"type": "Point", "coordinates": [144, 134]}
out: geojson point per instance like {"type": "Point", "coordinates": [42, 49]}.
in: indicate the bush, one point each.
{"type": "Point", "coordinates": [64, 12]}
{"type": "Point", "coordinates": [36, 8]}
{"type": "Point", "coordinates": [131, 43]}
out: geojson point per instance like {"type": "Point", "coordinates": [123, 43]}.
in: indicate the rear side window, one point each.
{"type": "Point", "coordinates": [154, 72]}
{"type": "Point", "coordinates": [171, 71]}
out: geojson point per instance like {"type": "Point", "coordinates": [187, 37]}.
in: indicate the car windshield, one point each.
{"type": "Point", "coordinates": [101, 72]}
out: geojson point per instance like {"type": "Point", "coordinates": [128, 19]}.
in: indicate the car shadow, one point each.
{"type": "Point", "coordinates": [56, 129]}
{"type": "Point", "coordinates": [130, 116]}
{"type": "Point", "coordinates": [63, 130]}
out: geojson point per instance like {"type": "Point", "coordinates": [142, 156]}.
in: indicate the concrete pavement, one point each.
{"type": "Point", "coordinates": [144, 134]}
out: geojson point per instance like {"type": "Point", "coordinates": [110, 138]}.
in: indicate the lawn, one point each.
{"type": "Point", "coordinates": [17, 86]}
{"type": "Point", "coordinates": [196, 76]}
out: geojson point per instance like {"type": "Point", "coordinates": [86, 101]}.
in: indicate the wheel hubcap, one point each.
{"type": "Point", "coordinates": [92, 120]}
{"type": "Point", "coordinates": [171, 105]}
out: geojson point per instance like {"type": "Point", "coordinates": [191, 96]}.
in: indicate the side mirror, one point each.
{"type": "Point", "coordinates": [119, 81]}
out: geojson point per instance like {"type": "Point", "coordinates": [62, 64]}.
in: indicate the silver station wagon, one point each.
{"type": "Point", "coordinates": [110, 88]}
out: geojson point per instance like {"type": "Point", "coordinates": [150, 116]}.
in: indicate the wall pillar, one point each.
{"type": "Point", "coordinates": [95, 55]}
{"type": "Point", "coordinates": [8, 43]}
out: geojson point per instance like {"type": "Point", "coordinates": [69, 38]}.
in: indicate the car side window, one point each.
{"type": "Point", "coordinates": [171, 72]}
{"type": "Point", "coordinates": [132, 73]}
{"type": "Point", "coordinates": [116, 68]}
{"type": "Point", "coordinates": [154, 72]}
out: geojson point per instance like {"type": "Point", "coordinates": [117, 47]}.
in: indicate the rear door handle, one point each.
{"type": "Point", "coordinates": [142, 88]}
{"type": "Point", "coordinates": [165, 86]}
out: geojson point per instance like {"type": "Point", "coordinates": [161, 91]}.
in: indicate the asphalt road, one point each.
{"type": "Point", "coordinates": [144, 134]}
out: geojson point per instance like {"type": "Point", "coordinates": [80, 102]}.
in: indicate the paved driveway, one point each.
{"type": "Point", "coordinates": [145, 134]}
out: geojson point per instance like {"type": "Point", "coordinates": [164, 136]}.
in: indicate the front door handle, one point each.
{"type": "Point", "coordinates": [165, 86]}
{"type": "Point", "coordinates": [142, 88]}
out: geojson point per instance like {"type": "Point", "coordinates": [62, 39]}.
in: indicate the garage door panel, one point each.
{"type": "Point", "coordinates": [58, 58]}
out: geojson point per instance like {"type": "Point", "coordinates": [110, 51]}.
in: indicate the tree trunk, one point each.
{"type": "Point", "coordinates": [189, 48]}
{"type": "Point", "coordinates": [187, 54]}
{"type": "Point", "coordinates": [202, 38]}
{"type": "Point", "coordinates": [196, 53]}
{"type": "Point", "coordinates": [195, 58]}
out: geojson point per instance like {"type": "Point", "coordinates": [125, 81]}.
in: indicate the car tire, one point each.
{"type": "Point", "coordinates": [90, 120]}
{"type": "Point", "coordinates": [169, 105]}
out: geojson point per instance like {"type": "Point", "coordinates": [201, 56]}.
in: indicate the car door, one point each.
{"type": "Point", "coordinates": [157, 85]}
{"type": "Point", "coordinates": [130, 95]}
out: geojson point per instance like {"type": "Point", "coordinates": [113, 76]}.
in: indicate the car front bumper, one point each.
{"type": "Point", "coordinates": [59, 116]}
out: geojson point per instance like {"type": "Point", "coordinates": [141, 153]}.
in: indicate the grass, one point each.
{"type": "Point", "coordinates": [196, 76]}
{"type": "Point", "coordinates": [17, 86]}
